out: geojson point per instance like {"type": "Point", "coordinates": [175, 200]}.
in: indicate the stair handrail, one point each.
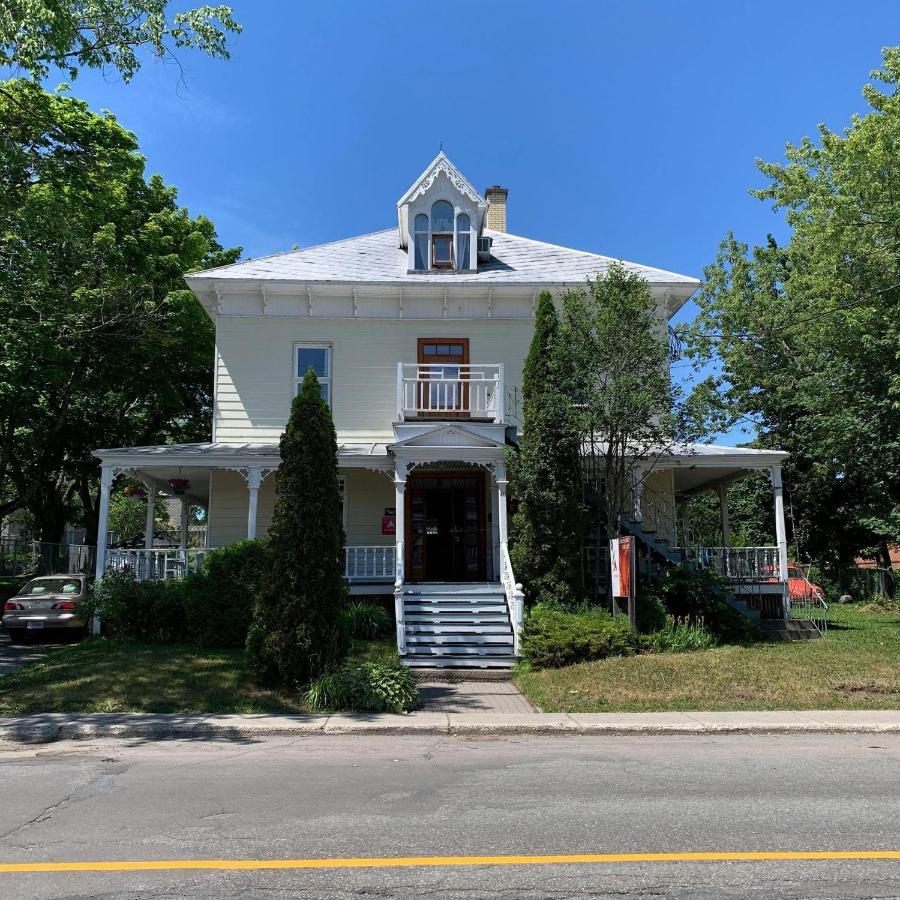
{"type": "Point", "coordinates": [515, 597]}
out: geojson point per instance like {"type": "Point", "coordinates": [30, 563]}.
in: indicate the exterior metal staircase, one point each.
{"type": "Point", "coordinates": [457, 626]}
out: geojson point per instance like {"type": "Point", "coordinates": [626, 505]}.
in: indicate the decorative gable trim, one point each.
{"type": "Point", "coordinates": [446, 436]}
{"type": "Point", "coordinates": [441, 164]}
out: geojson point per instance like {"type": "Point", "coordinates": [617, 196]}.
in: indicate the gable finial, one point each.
{"type": "Point", "coordinates": [441, 147]}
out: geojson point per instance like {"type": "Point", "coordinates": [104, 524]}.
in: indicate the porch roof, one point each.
{"type": "Point", "coordinates": [699, 467]}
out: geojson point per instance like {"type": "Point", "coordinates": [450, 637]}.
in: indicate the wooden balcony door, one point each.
{"type": "Point", "coordinates": [441, 360]}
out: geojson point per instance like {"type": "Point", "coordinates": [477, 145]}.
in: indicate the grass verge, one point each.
{"type": "Point", "coordinates": [106, 675]}
{"type": "Point", "coordinates": [856, 667]}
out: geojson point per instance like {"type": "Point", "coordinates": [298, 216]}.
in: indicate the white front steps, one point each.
{"type": "Point", "coordinates": [455, 626]}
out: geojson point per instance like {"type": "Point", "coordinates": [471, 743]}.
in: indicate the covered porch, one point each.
{"type": "Point", "coordinates": [758, 575]}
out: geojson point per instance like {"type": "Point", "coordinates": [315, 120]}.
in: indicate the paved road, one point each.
{"type": "Point", "coordinates": [325, 797]}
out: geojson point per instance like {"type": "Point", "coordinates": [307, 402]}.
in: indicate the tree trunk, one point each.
{"type": "Point", "coordinates": [884, 560]}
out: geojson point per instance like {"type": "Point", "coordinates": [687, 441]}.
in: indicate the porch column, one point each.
{"type": "Point", "coordinates": [780, 531]}
{"type": "Point", "coordinates": [502, 522]}
{"type": "Point", "coordinates": [636, 484]}
{"type": "Point", "coordinates": [254, 480]}
{"type": "Point", "coordinates": [400, 551]}
{"type": "Point", "coordinates": [495, 531]}
{"type": "Point", "coordinates": [150, 520]}
{"type": "Point", "coordinates": [106, 480]}
{"type": "Point", "coordinates": [723, 511]}
{"type": "Point", "coordinates": [185, 513]}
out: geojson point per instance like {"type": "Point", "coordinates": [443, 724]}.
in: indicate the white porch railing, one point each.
{"type": "Point", "coordinates": [156, 564]}
{"type": "Point", "coordinates": [515, 598]}
{"type": "Point", "coordinates": [452, 390]}
{"type": "Point", "coordinates": [370, 563]}
{"type": "Point", "coordinates": [740, 564]}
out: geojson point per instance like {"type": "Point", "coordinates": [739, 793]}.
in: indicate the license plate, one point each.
{"type": "Point", "coordinates": [30, 625]}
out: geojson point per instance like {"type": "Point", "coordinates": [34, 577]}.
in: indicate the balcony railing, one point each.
{"type": "Point", "coordinates": [740, 564]}
{"type": "Point", "coordinates": [369, 563]}
{"type": "Point", "coordinates": [155, 565]}
{"type": "Point", "coordinates": [450, 391]}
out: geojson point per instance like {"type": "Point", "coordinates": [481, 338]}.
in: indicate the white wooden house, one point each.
{"type": "Point", "coordinates": [418, 335]}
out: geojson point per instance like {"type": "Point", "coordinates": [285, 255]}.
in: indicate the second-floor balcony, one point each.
{"type": "Point", "coordinates": [450, 391]}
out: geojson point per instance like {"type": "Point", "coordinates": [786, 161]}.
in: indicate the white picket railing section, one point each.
{"type": "Point", "coordinates": [739, 564]}
{"type": "Point", "coordinates": [369, 563]}
{"type": "Point", "coordinates": [515, 597]}
{"type": "Point", "coordinates": [433, 390]}
{"type": "Point", "coordinates": [156, 564]}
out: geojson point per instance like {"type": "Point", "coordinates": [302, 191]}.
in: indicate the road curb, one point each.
{"type": "Point", "coordinates": [51, 727]}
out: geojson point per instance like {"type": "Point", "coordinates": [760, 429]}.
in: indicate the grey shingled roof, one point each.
{"type": "Point", "coordinates": [377, 258]}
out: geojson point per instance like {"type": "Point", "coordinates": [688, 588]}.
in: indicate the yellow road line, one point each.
{"type": "Point", "coordinates": [405, 862]}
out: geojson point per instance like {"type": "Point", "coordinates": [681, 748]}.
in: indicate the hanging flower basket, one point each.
{"type": "Point", "coordinates": [179, 486]}
{"type": "Point", "coordinates": [135, 492]}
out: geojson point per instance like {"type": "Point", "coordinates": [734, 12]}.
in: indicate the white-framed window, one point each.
{"type": "Point", "coordinates": [318, 358]}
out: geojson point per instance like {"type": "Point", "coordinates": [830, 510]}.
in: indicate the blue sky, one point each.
{"type": "Point", "coordinates": [626, 128]}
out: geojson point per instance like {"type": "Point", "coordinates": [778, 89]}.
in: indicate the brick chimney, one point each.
{"type": "Point", "coordinates": [496, 213]}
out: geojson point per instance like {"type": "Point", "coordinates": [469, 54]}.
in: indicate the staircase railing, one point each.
{"type": "Point", "coordinates": [807, 602]}
{"type": "Point", "coordinates": [515, 597]}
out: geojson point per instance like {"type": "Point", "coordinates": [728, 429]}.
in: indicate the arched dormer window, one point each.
{"type": "Point", "coordinates": [442, 235]}
{"type": "Point", "coordinates": [463, 226]}
{"type": "Point", "coordinates": [420, 236]}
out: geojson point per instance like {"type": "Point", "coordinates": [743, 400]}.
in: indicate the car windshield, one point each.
{"type": "Point", "coordinates": [51, 586]}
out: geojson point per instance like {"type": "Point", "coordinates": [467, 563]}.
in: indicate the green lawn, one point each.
{"type": "Point", "coordinates": [103, 675]}
{"type": "Point", "coordinates": [856, 667]}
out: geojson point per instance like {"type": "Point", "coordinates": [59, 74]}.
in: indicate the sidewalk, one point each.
{"type": "Point", "coordinates": [49, 727]}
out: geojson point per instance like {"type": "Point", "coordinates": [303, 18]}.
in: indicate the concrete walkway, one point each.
{"type": "Point", "coordinates": [487, 698]}
{"type": "Point", "coordinates": [50, 727]}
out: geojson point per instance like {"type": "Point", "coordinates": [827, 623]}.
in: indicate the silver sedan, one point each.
{"type": "Point", "coordinates": [45, 603]}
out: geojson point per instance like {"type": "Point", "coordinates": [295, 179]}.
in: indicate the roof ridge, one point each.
{"type": "Point", "coordinates": [253, 259]}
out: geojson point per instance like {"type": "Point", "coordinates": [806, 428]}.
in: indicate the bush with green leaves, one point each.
{"type": "Point", "coordinates": [680, 636]}
{"type": "Point", "coordinates": [701, 594]}
{"type": "Point", "coordinates": [298, 631]}
{"type": "Point", "coordinates": [367, 621]}
{"type": "Point", "coordinates": [554, 637]}
{"type": "Point", "coordinates": [149, 611]}
{"type": "Point", "coordinates": [365, 687]}
{"type": "Point", "coordinates": [649, 613]}
{"type": "Point", "coordinates": [219, 599]}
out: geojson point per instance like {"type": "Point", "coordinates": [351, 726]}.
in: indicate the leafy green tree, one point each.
{"type": "Point", "coordinates": [101, 342]}
{"type": "Point", "coordinates": [806, 336]}
{"type": "Point", "coordinates": [298, 630]}
{"type": "Point", "coordinates": [128, 515]}
{"type": "Point", "coordinates": [617, 355]}
{"type": "Point", "coordinates": [105, 34]}
{"type": "Point", "coordinates": [545, 475]}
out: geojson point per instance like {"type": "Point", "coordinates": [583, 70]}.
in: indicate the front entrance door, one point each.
{"type": "Point", "coordinates": [445, 532]}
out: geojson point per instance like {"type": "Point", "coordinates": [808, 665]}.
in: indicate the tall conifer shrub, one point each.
{"type": "Point", "coordinates": [297, 631]}
{"type": "Point", "coordinates": [548, 523]}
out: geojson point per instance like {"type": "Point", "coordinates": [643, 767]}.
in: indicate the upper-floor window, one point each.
{"type": "Point", "coordinates": [318, 358]}
{"type": "Point", "coordinates": [442, 235]}
{"type": "Point", "coordinates": [462, 241]}
{"type": "Point", "coordinates": [420, 237]}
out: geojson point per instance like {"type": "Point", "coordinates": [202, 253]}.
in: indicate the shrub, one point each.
{"type": "Point", "coordinates": [366, 621]}
{"type": "Point", "coordinates": [365, 687]}
{"type": "Point", "coordinates": [554, 637]}
{"type": "Point", "coordinates": [700, 595]}
{"type": "Point", "coordinates": [151, 611]}
{"type": "Point", "coordinates": [298, 631]}
{"type": "Point", "coordinates": [649, 613]}
{"type": "Point", "coordinates": [680, 636]}
{"type": "Point", "coordinates": [219, 600]}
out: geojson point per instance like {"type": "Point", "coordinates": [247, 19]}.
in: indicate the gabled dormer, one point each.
{"type": "Point", "coordinates": [441, 218]}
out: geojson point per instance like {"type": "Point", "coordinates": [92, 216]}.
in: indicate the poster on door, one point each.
{"type": "Point", "coordinates": [389, 521]}
{"type": "Point", "coordinates": [621, 556]}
